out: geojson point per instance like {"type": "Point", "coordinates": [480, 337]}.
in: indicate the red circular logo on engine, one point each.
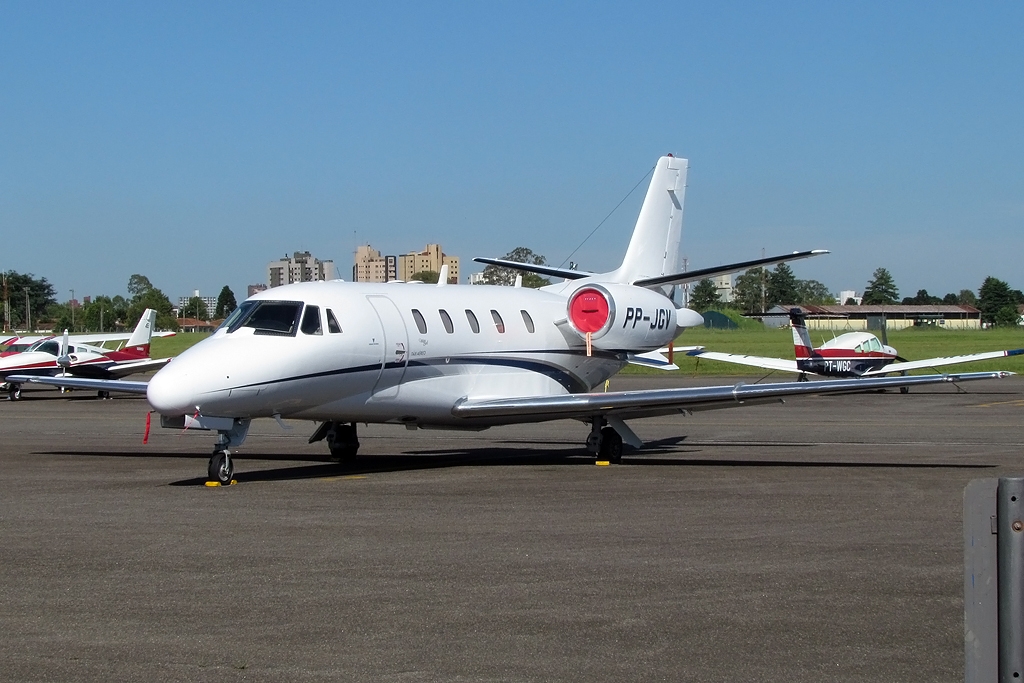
{"type": "Point", "coordinates": [588, 310]}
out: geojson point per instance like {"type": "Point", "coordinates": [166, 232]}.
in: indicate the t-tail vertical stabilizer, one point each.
{"type": "Point", "coordinates": [654, 248]}
{"type": "Point", "coordinates": [801, 339]}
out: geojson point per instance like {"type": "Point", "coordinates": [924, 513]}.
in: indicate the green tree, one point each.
{"type": "Point", "coordinates": [1007, 316]}
{"type": "Point", "coordinates": [993, 296]}
{"type": "Point", "coordinates": [41, 296]}
{"type": "Point", "coordinates": [814, 293]}
{"type": "Point", "coordinates": [782, 287]}
{"type": "Point", "coordinates": [967, 298]}
{"type": "Point", "coordinates": [749, 290]}
{"type": "Point", "coordinates": [103, 313]}
{"type": "Point", "coordinates": [196, 308]}
{"type": "Point", "coordinates": [139, 284]}
{"type": "Point", "coordinates": [497, 275]}
{"type": "Point", "coordinates": [429, 276]}
{"type": "Point", "coordinates": [881, 289]}
{"type": "Point", "coordinates": [145, 295]}
{"type": "Point", "coordinates": [225, 303]}
{"type": "Point", "coordinates": [705, 296]}
{"type": "Point", "coordinates": [922, 298]}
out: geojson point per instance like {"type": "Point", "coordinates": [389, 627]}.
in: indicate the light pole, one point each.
{"type": "Point", "coordinates": [71, 305]}
{"type": "Point", "coordinates": [28, 312]}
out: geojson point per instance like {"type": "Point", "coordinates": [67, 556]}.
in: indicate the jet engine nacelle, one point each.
{"type": "Point", "coordinates": [622, 317]}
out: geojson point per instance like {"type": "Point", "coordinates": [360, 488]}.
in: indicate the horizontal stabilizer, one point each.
{"type": "Point", "coordinates": [697, 275]}
{"type": "Point", "coordinates": [652, 359]}
{"type": "Point", "coordinates": [534, 268]}
{"type": "Point", "coordinates": [82, 383]}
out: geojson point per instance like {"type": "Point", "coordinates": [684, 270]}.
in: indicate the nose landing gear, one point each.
{"type": "Point", "coordinates": [221, 468]}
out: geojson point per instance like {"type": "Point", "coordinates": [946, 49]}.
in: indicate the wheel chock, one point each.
{"type": "Point", "coordinates": [603, 463]}
{"type": "Point", "coordinates": [217, 483]}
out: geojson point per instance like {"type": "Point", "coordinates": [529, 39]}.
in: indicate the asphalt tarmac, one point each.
{"type": "Point", "coordinates": [812, 541]}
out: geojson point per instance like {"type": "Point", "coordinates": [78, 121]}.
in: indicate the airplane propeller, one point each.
{"type": "Point", "coordinates": [64, 360]}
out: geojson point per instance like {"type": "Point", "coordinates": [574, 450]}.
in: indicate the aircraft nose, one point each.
{"type": "Point", "coordinates": [170, 392]}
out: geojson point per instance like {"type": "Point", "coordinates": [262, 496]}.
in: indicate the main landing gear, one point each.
{"type": "Point", "coordinates": [604, 442]}
{"type": "Point", "coordinates": [341, 439]}
{"type": "Point", "coordinates": [13, 391]}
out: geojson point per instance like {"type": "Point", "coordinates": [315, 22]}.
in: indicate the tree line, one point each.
{"type": "Point", "coordinates": [33, 305]}
{"type": "Point", "coordinates": [760, 289]}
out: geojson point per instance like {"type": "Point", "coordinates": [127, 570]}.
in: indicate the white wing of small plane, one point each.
{"type": "Point", "coordinates": [121, 385]}
{"type": "Point", "coordinates": [754, 361]}
{"type": "Point", "coordinates": [133, 367]}
{"type": "Point", "coordinates": [903, 366]}
{"type": "Point", "coordinates": [83, 338]}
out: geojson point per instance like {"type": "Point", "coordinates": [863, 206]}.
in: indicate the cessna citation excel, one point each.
{"type": "Point", "coordinates": [460, 357]}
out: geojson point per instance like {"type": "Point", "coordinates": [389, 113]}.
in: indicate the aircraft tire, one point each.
{"type": "Point", "coordinates": [221, 468]}
{"type": "Point", "coordinates": [343, 442]}
{"type": "Point", "coordinates": [904, 390]}
{"type": "Point", "coordinates": [14, 393]}
{"type": "Point", "coordinates": [611, 446]}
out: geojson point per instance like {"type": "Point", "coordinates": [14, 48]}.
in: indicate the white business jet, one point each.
{"type": "Point", "coordinates": [459, 356]}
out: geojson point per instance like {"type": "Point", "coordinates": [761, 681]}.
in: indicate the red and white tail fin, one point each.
{"type": "Point", "coordinates": [801, 340]}
{"type": "Point", "coordinates": [138, 343]}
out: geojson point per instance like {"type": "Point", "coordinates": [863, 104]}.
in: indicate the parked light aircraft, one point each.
{"type": "Point", "coordinates": [68, 357]}
{"type": "Point", "coordinates": [853, 354]}
{"type": "Point", "coordinates": [19, 344]}
{"type": "Point", "coordinates": [459, 356]}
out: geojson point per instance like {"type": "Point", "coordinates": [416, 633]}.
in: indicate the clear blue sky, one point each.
{"type": "Point", "coordinates": [195, 142]}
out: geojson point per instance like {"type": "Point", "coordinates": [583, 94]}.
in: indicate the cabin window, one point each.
{"type": "Point", "coordinates": [311, 321]}
{"type": "Point", "coordinates": [421, 324]}
{"type": "Point", "coordinates": [528, 321]}
{"type": "Point", "coordinates": [278, 318]}
{"type": "Point", "coordinates": [499, 324]}
{"type": "Point", "coordinates": [474, 324]}
{"type": "Point", "coordinates": [332, 323]}
{"type": "Point", "coordinates": [446, 320]}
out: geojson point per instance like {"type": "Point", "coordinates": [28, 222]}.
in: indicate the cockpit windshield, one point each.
{"type": "Point", "coordinates": [46, 346]}
{"type": "Point", "coordinates": [280, 318]}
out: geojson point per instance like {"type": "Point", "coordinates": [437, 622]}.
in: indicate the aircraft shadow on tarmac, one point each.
{"type": "Point", "coordinates": [504, 456]}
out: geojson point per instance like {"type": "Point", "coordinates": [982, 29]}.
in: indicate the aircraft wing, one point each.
{"type": "Point", "coordinates": [130, 368]}
{"type": "Point", "coordinates": [82, 383]}
{"type": "Point", "coordinates": [109, 336]}
{"type": "Point", "coordinates": [904, 366]}
{"type": "Point", "coordinates": [755, 361]}
{"type": "Point", "coordinates": [653, 402]}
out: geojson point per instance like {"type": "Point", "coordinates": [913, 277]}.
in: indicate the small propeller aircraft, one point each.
{"type": "Point", "coordinates": [853, 354]}
{"type": "Point", "coordinates": [98, 340]}
{"type": "Point", "coordinates": [460, 356]}
{"type": "Point", "coordinates": [66, 358]}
